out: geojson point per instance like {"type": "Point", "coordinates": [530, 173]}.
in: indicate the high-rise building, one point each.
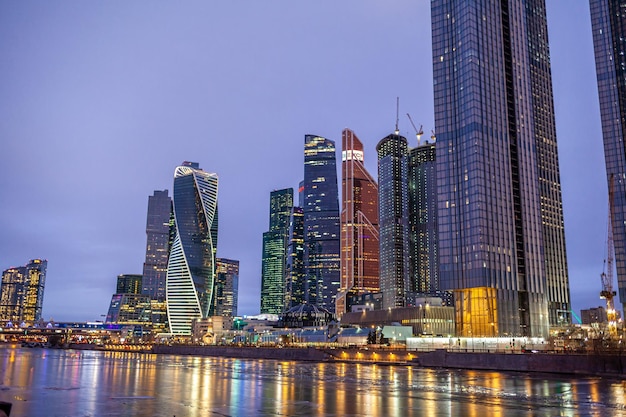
{"type": "Point", "coordinates": [226, 287]}
{"type": "Point", "coordinates": [21, 293]}
{"type": "Point", "coordinates": [128, 284]}
{"type": "Point", "coordinates": [423, 257]}
{"type": "Point", "coordinates": [608, 21]}
{"type": "Point", "coordinates": [274, 259]}
{"type": "Point", "coordinates": [294, 272]}
{"type": "Point", "coordinates": [393, 221]}
{"type": "Point", "coordinates": [359, 224]}
{"type": "Point", "coordinates": [321, 222]}
{"type": "Point", "coordinates": [191, 265]}
{"type": "Point", "coordinates": [132, 309]}
{"type": "Point", "coordinates": [500, 214]}
{"type": "Point", "coordinates": [157, 244]}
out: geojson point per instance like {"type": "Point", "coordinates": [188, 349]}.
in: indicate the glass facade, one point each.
{"type": "Point", "coordinates": [321, 222]}
{"type": "Point", "coordinates": [157, 244]}
{"type": "Point", "coordinates": [275, 241]}
{"type": "Point", "coordinates": [294, 273]}
{"type": "Point", "coordinates": [423, 257]}
{"type": "Point", "coordinates": [191, 266]}
{"type": "Point", "coordinates": [393, 203]}
{"type": "Point", "coordinates": [226, 287]}
{"type": "Point", "coordinates": [359, 224]}
{"type": "Point", "coordinates": [500, 215]}
{"type": "Point", "coordinates": [608, 21]}
{"type": "Point", "coordinates": [128, 284]}
{"type": "Point", "coordinates": [21, 293]}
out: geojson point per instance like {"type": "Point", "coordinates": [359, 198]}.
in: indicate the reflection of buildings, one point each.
{"type": "Point", "coordinates": [157, 244]}
{"type": "Point", "coordinates": [191, 265]}
{"type": "Point", "coordinates": [226, 287]}
{"type": "Point", "coordinates": [500, 216]}
{"type": "Point", "coordinates": [321, 222]}
{"type": "Point", "coordinates": [275, 242]}
{"type": "Point", "coordinates": [393, 200]}
{"type": "Point", "coordinates": [359, 224]}
{"type": "Point", "coordinates": [609, 34]}
{"type": "Point", "coordinates": [21, 293]}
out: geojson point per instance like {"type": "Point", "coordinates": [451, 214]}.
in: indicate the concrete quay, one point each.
{"type": "Point", "coordinates": [596, 364]}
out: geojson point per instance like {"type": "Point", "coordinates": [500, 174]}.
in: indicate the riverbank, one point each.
{"type": "Point", "coordinates": [558, 363]}
{"type": "Point", "coordinates": [597, 364]}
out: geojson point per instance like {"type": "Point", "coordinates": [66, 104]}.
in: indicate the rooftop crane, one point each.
{"type": "Point", "coordinates": [607, 277]}
{"type": "Point", "coordinates": [419, 132]}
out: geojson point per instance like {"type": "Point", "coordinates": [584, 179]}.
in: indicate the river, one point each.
{"type": "Point", "coordinates": [50, 382]}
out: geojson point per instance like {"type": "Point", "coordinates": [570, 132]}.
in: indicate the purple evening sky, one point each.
{"type": "Point", "coordinates": [100, 101]}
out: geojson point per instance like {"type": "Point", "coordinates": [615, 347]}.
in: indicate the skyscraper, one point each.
{"type": "Point", "coordinates": [393, 222]}
{"type": "Point", "coordinates": [500, 215]}
{"type": "Point", "coordinates": [275, 252]}
{"type": "Point", "coordinates": [191, 266]}
{"type": "Point", "coordinates": [321, 222]}
{"type": "Point", "coordinates": [157, 244]}
{"type": "Point", "coordinates": [294, 272]}
{"type": "Point", "coordinates": [21, 293]}
{"type": "Point", "coordinates": [608, 20]}
{"type": "Point", "coordinates": [423, 256]}
{"type": "Point", "coordinates": [128, 284]}
{"type": "Point", "coordinates": [359, 224]}
{"type": "Point", "coordinates": [226, 287]}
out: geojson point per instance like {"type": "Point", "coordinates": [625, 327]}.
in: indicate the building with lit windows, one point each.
{"type": "Point", "coordinates": [608, 21]}
{"type": "Point", "coordinates": [128, 284]}
{"type": "Point", "coordinates": [21, 293]}
{"type": "Point", "coordinates": [157, 244]}
{"type": "Point", "coordinates": [294, 270]}
{"type": "Point", "coordinates": [393, 220]}
{"type": "Point", "coordinates": [191, 266]}
{"type": "Point", "coordinates": [423, 257]}
{"type": "Point", "coordinates": [226, 287]}
{"type": "Point", "coordinates": [321, 222]}
{"type": "Point", "coordinates": [275, 242]}
{"type": "Point", "coordinates": [359, 224]}
{"type": "Point", "coordinates": [500, 215]}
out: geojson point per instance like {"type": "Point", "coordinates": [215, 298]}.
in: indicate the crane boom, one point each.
{"type": "Point", "coordinates": [419, 132]}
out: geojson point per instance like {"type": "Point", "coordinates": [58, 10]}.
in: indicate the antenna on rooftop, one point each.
{"type": "Point", "coordinates": [397, 114]}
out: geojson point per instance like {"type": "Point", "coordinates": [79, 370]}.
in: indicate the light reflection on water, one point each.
{"type": "Point", "coordinates": [45, 382]}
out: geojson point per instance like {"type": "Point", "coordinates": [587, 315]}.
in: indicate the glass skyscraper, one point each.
{"type": "Point", "coordinates": [294, 272]}
{"type": "Point", "coordinates": [393, 221]}
{"type": "Point", "coordinates": [500, 215]}
{"type": "Point", "coordinates": [157, 244]}
{"type": "Point", "coordinates": [21, 293]}
{"type": "Point", "coordinates": [423, 256]}
{"type": "Point", "coordinates": [321, 222]}
{"type": "Point", "coordinates": [226, 287]}
{"type": "Point", "coordinates": [275, 242]}
{"type": "Point", "coordinates": [128, 284]}
{"type": "Point", "coordinates": [608, 20]}
{"type": "Point", "coordinates": [191, 266]}
{"type": "Point", "coordinates": [359, 224]}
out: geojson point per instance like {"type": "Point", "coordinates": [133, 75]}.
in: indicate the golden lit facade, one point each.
{"type": "Point", "coordinates": [359, 224]}
{"type": "Point", "coordinates": [21, 293]}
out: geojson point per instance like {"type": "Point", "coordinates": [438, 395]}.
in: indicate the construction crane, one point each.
{"type": "Point", "coordinates": [419, 132]}
{"type": "Point", "coordinates": [607, 277]}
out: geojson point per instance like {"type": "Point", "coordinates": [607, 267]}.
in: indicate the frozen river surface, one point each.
{"type": "Point", "coordinates": [47, 382]}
